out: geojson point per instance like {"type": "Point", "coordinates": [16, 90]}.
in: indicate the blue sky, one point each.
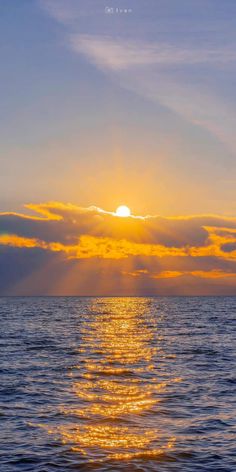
{"type": "Point", "coordinates": [135, 108]}
{"type": "Point", "coordinates": [101, 109]}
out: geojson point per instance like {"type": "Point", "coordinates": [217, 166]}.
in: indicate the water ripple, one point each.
{"type": "Point", "coordinates": [131, 384]}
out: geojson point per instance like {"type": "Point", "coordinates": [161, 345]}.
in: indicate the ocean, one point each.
{"type": "Point", "coordinates": [118, 384]}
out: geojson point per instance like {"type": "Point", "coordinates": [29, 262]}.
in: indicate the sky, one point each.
{"type": "Point", "coordinates": [116, 102]}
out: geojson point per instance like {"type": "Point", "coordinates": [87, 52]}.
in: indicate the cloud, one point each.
{"type": "Point", "coordinates": [166, 73]}
{"type": "Point", "coordinates": [71, 229]}
{"type": "Point", "coordinates": [123, 54]}
{"type": "Point", "coordinates": [82, 250]}
{"type": "Point", "coordinates": [168, 274]}
{"type": "Point", "coordinates": [69, 11]}
{"type": "Point", "coordinates": [175, 58]}
{"type": "Point", "coordinates": [178, 71]}
{"type": "Point", "coordinates": [229, 247]}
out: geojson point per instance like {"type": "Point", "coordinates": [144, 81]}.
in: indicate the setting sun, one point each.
{"type": "Point", "coordinates": [123, 211]}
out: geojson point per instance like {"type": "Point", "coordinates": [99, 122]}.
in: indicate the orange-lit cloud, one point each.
{"type": "Point", "coordinates": [168, 274]}
{"type": "Point", "coordinates": [151, 249]}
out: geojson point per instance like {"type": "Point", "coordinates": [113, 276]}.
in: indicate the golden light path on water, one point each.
{"type": "Point", "coordinates": [117, 388]}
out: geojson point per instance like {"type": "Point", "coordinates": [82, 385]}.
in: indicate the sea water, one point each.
{"type": "Point", "coordinates": [110, 384]}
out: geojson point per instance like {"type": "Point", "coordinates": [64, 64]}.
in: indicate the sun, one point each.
{"type": "Point", "coordinates": [123, 211]}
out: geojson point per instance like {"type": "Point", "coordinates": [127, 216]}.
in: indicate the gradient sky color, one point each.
{"type": "Point", "coordinates": [102, 108]}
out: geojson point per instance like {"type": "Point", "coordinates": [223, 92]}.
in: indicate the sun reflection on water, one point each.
{"type": "Point", "coordinates": [116, 385]}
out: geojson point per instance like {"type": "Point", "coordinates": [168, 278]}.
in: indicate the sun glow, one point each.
{"type": "Point", "coordinates": [117, 350]}
{"type": "Point", "coordinates": [123, 211]}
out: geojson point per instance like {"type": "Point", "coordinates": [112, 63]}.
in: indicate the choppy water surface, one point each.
{"type": "Point", "coordinates": [109, 384]}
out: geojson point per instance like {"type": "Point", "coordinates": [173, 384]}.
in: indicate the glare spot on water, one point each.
{"type": "Point", "coordinates": [118, 385]}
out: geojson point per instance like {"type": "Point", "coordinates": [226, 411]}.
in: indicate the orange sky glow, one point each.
{"type": "Point", "coordinates": [90, 250]}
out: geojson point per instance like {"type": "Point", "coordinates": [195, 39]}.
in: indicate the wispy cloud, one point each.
{"type": "Point", "coordinates": [120, 54]}
{"type": "Point", "coordinates": [180, 70]}
{"type": "Point", "coordinates": [165, 73]}
{"type": "Point", "coordinates": [169, 274]}
{"type": "Point", "coordinates": [60, 10]}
